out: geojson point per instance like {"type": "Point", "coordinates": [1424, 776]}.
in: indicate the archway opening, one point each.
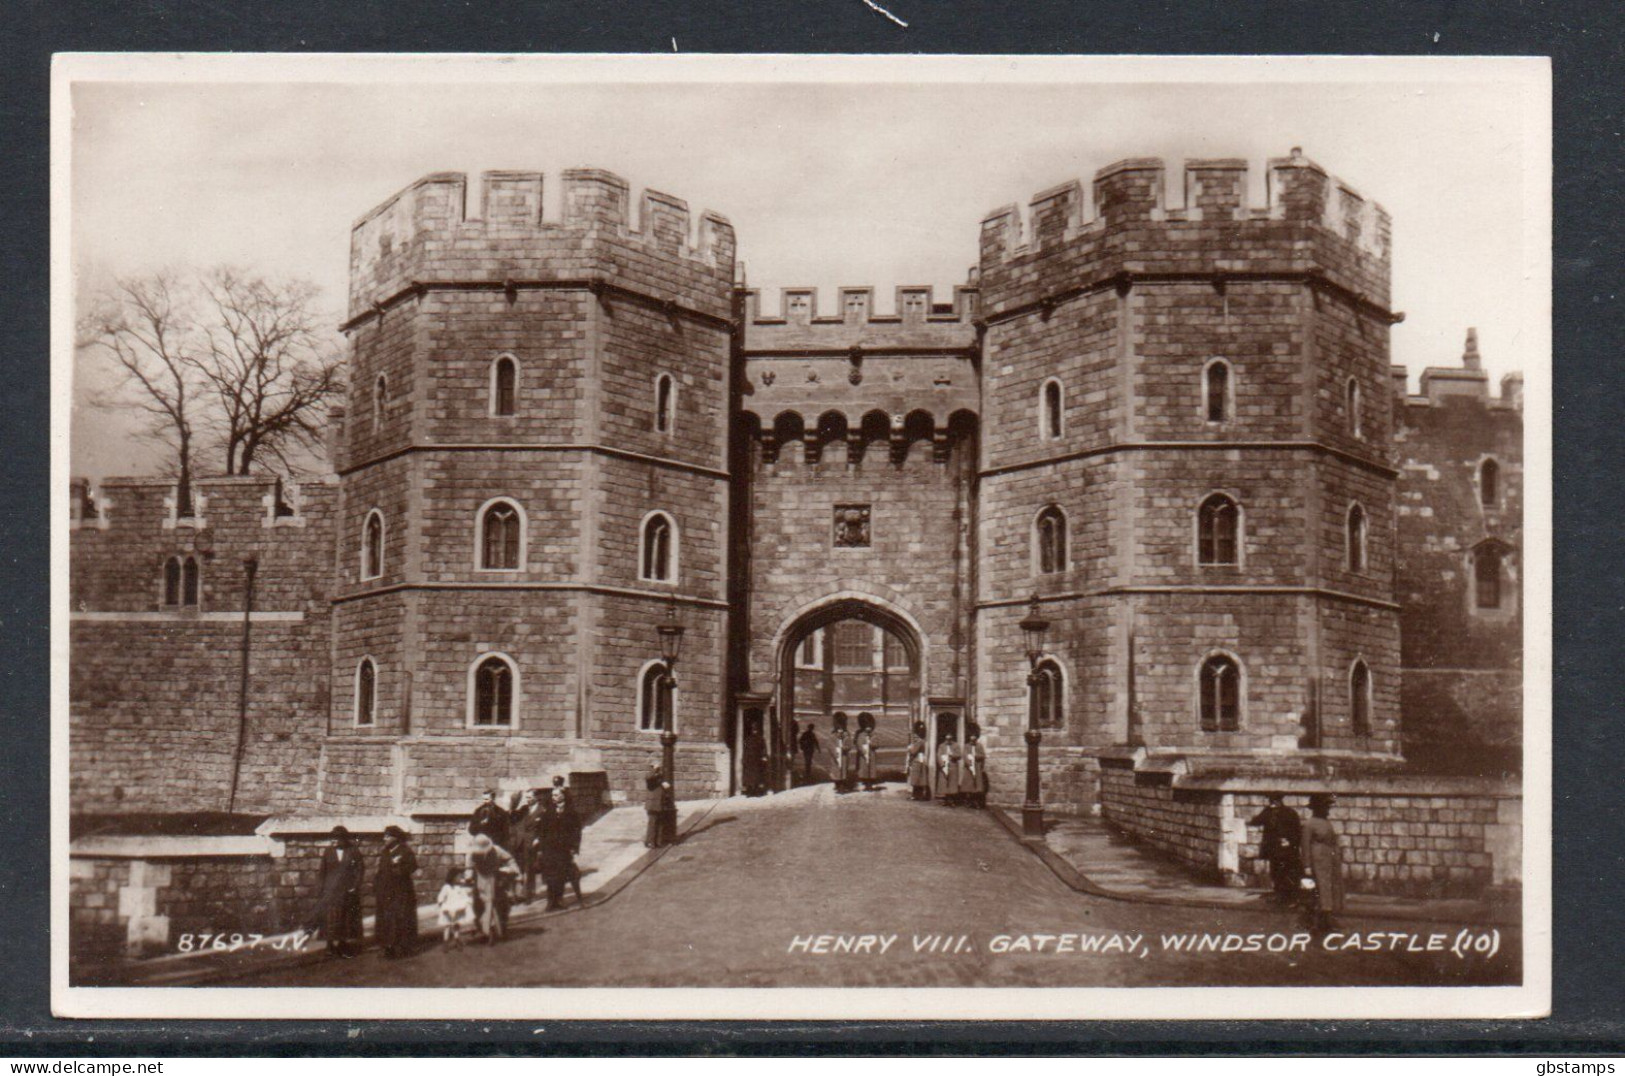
{"type": "Point", "coordinates": [851, 664]}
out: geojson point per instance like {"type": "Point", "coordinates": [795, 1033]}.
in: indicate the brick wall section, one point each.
{"type": "Point", "coordinates": [153, 702]}
{"type": "Point", "coordinates": [1463, 686]}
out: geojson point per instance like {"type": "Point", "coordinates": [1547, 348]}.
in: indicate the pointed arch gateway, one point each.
{"type": "Point", "coordinates": [889, 685]}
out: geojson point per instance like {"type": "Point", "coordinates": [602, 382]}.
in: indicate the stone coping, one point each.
{"type": "Point", "coordinates": [173, 847]}
{"type": "Point", "coordinates": [1418, 785]}
{"type": "Point", "coordinates": [322, 825]}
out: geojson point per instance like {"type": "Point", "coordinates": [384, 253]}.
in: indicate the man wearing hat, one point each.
{"type": "Point", "coordinates": [656, 789]}
{"type": "Point", "coordinates": [490, 819]}
{"type": "Point", "coordinates": [1281, 845]}
{"type": "Point", "coordinates": [338, 908]}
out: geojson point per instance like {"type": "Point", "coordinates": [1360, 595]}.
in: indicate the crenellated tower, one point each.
{"type": "Point", "coordinates": [1187, 456]}
{"type": "Point", "coordinates": [534, 470]}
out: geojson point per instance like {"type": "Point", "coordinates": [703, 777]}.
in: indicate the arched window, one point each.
{"type": "Point", "coordinates": [1351, 394]}
{"type": "Point", "coordinates": [501, 536]}
{"type": "Point", "coordinates": [1487, 577]}
{"type": "Point", "coordinates": [1052, 409]}
{"type": "Point", "coordinates": [494, 689]}
{"type": "Point", "coordinates": [380, 392]}
{"type": "Point", "coordinates": [657, 559]}
{"type": "Point", "coordinates": [181, 581]}
{"type": "Point", "coordinates": [657, 699]}
{"type": "Point", "coordinates": [1216, 391]}
{"type": "Point", "coordinates": [1356, 539]}
{"type": "Point", "coordinates": [1219, 691]}
{"type": "Point", "coordinates": [1489, 483]}
{"type": "Point", "coordinates": [1049, 536]}
{"type": "Point", "coordinates": [372, 545]}
{"type": "Point", "coordinates": [810, 655]}
{"type": "Point", "coordinates": [1218, 531]}
{"type": "Point", "coordinates": [1048, 695]}
{"type": "Point", "coordinates": [366, 692]}
{"type": "Point", "coordinates": [1360, 699]}
{"type": "Point", "coordinates": [504, 383]}
{"type": "Point", "coordinates": [665, 402]}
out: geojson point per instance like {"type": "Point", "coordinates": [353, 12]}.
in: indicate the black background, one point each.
{"type": "Point", "coordinates": [1586, 41]}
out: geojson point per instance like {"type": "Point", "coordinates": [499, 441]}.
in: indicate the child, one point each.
{"type": "Point", "coordinates": [456, 907]}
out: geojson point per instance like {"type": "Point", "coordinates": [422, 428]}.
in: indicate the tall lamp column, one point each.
{"type": "Point", "coordinates": [671, 642]}
{"type": "Point", "coordinates": [1033, 627]}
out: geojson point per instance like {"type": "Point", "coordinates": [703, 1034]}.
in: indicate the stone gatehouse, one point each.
{"type": "Point", "coordinates": [1174, 430]}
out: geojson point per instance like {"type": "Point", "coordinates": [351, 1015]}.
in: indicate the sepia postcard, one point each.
{"type": "Point", "coordinates": [785, 537]}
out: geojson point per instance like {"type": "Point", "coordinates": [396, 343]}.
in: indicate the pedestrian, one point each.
{"type": "Point", "coordinates": [456, 901]}
{"type": "Point", "coordinates": [558, 839]}
{"type": "Point", "coordinates": [1324, 858]}
{"type": "Point", "coordinates": [654, 802]}
{"type": "Point", "coordinates": [522, 833]}
{"type": "Point", "coordinates": [919, 764]}
{"type": "Point", "coordinates": [1280, 846]}
{"type": "Point", "coordinates": [809, 748]}
{"type": "Point", "coordinates": [948, 770]}
{"type": "Point", "coordinates": [339, 881]}
{"type": "Point", "coordinates": [972, 783]}
{"type": "Point", "coordinates": [863, 752]}
{"type": "Point", "coordinates": [396, 925]}
{"type": "Point", "coordinates": [490, 819]}
{"type": "Point", "coordinates": [841, 751]}
{"type": "Point", "coordinates": [491, 866]}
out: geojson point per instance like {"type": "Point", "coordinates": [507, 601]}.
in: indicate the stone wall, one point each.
{"type": "Point", "coordinates": [1416, 836]}
{"type": "Point", "coordinates": [1463, 664]}
{"type": "Point", "coordinates": [154, 695]}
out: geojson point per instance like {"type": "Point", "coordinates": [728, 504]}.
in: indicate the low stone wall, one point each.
{"type": "Point", "coordinates": [1403, 835]}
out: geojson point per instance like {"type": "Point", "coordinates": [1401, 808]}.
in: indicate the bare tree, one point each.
{"type": "Point", "coordinates": [234, 363]}
{"type": "Point", "coordinates": [145, 326]}
{"type": "Point", "coordinates": [269, 366]}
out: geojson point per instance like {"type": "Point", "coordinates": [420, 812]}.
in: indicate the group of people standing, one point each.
{"type": "Point", "coordinates": [852, 754]}
{"type": "Point", "coordinates": [1305, 858]}
{"type": "Point", "coordinates": [961, 771]}
{"type": "Point", "coordinates": [537, 836]}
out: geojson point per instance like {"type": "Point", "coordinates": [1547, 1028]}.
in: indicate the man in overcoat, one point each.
{"type": "Point", "coordinates": [1281, 845]}
{"type": "Point", "coordinates": [656, 788]}
{"type": "Point", "coordinates": [339, 882]}
{"type": "Point", "coordinates": [490, 819]}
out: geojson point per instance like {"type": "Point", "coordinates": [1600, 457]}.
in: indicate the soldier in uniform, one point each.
{"type": "Point", "coordinates": [863, 749]}
{"type": "Point", "coordinates": [948, 770]}
{"type": "Point", "coordinates": [841, 749]}
{"type": "Point", "coordinates": [919, 764]}
{"type": "Point", "coordinates": [973, 771]}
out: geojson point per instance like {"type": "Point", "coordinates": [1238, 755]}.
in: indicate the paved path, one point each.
{"type": "Point", "coordinates": [1115, 864]}
{"type": "Point", "coordinates": [760, 884]}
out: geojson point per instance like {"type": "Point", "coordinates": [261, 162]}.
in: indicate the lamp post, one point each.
{"type": "Point", "coordinates": [1033, 627]}
{"type": "Point", "coordinates": [671, 643]}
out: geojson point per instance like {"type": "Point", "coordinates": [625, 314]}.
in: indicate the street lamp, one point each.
{"type": "Point", "coordinates": [671, 645]}
{"type": "Point", "coordinates": [1033, 627]}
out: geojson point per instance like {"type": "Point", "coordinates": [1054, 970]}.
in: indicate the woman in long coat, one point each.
{"type": "Point", "coordinates": [919, 765]}
{"type": "Point", "coordinates": [863, 750]}
{"type": "Point", "coordinates": [973, 772]}
{"type": "Point", "coordinates": [397, 923]}
{"type": "Point", "coordinates": [1324, 858]}
{"type": "Point", "coordinates": [948, 771]}
{"type": "Point", "coordinates": [338, 908]}
{"type": "Point", "coordinates": [491, 865]}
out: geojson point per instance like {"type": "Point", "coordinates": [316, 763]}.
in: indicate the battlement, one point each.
{"type": "Point", "coordinates": [425, 232]}
{"type": "Point", "coordinates": [911, 304]}
{"type": "Point", "coordinates": [917, 324]}
{"type": "Point", "coordinates": [1469, 381]}
{"type": "Point", "coordinates": [1070, 221]}
{"type": "Point", "coordinates": [148, 505]}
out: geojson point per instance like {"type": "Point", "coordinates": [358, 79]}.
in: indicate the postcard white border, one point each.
{"type": "Point", "coordinates": [1532, 999]}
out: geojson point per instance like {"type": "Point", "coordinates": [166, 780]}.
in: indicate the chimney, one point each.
{"type": "Point", "coordinates": [1469, 356]}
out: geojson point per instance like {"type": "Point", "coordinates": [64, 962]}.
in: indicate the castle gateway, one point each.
{"type": "Point", "coordinates": [1174, 432]}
